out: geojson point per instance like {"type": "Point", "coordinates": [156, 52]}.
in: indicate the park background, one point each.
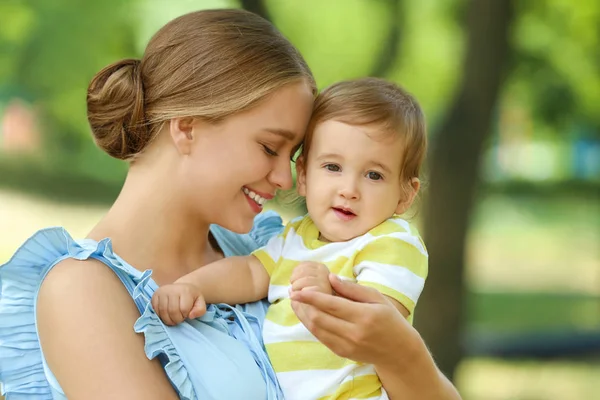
{"type": "Point", "coordinates": [511, 206]}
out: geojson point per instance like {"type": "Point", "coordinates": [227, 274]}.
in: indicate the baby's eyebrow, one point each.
{"type": "Point", "coordinates": [380, 165]}
{"type": "Point", "coordinates": [328, 155]}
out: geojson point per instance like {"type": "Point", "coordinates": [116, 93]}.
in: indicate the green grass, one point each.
{"type": "Point", "coordinates": [526, 312]}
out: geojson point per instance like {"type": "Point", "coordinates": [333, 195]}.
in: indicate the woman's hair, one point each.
{"type": "Point", "coordinates": [208, 64]}
{"type": "Point", "coordinates": [379, 104]}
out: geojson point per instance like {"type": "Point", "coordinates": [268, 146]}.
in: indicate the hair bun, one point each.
{"type": "Point", "coordinates": [115, 109]}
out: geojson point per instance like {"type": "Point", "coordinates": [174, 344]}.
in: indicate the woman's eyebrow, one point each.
{"type": "Point", "coordinates": [287, 134]}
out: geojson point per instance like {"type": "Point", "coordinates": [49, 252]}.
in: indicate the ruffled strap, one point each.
{"type": "Point", "coordinates": [159, 344]}
{"type": "Point", "coordinates": [265, 226]}
{"type": "Point", "coordinates": [21, 359]}
{"type": "Point", "coordinates": [21, 368]}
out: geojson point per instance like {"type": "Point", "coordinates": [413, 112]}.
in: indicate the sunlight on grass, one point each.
{"type": "Point", "coordinates": [535, 244]}
{"type": "Point", "coordinates": [487, 379]}
{"type": "Point", "coordinates": [21, 216]}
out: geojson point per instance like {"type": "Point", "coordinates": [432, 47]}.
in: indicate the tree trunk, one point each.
{"type": "Point", "coordinates": [455, 157]}
{"type": "Point", "coordinates": [391, 47]}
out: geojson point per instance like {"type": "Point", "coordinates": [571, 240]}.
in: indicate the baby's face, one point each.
{"type": "Point", "coordinates": [351, 179]}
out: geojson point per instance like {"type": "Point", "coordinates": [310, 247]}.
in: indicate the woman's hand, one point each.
{"type": "Point", "coordinates": [362, 324]}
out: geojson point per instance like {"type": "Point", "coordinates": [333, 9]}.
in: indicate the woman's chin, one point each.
{"type": "Point", "coordinates": [242, 225]}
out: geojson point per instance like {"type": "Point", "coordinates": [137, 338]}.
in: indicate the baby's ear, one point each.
{"type": "Point", "coordinates": [301, 176]}
{"type": "Point", "coordinates": [407, 200]}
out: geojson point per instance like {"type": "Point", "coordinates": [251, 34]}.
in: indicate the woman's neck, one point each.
{"type": "Point", "coordinates": [149, 230]}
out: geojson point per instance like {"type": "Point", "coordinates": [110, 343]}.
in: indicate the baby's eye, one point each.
{"type": "Point", "coordinates": [374, 176]}
{"type": "Point", "coordinates": [332, 167]}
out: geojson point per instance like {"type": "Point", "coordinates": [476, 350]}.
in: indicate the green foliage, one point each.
{"type": "Point", "coordinates": [51, 49]}
{"type": "Point", "coordinates": [556, 68]}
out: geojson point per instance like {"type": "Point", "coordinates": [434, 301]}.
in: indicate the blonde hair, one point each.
{"type": "Point", "coordinates": [208, 64]}
{"type": "Point", "coordinates": [380, 104]}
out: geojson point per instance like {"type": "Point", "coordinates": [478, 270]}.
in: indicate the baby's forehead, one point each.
{"type": "Point", "coordinates": [356, 141]}
{"type": "Point", "coordinates": [372, 132]}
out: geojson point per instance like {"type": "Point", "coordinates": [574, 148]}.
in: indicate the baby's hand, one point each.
{"type": "Point", "coordinates": [175, 302]}
{"type": "Point", "coordinates": [311, 276]}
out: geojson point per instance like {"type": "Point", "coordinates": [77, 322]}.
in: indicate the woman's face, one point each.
{"type": "Point", "coordinates": [236, 165]}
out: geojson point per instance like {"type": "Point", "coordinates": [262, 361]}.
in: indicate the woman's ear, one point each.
{"type": "Point", "coordinates": [301, 176]}
{"type": "Point", "coordinates": [181, 131]}
{"type": "Point", "coordinates": [405, 203]}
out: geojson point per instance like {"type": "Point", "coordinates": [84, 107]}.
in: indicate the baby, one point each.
{"type": "Point", "coordinates": [358, 170]}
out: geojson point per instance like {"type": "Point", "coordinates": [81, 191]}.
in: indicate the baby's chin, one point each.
{"type": "Point", "coordinates": [332, 237]}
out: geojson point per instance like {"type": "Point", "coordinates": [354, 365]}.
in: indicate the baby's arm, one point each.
{"type": "Point", "coordinates": [233, 280]}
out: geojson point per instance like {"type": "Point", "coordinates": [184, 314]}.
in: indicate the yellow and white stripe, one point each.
{"type": "Point", "coordinates": [390, 258]}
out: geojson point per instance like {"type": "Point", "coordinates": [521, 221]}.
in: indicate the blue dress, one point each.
{"type": "Point", "coordinates": [218, 356]}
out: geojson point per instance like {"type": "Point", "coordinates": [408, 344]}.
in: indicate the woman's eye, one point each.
{"type": "Point", "coordinates": [332, 167]}
{"type": "Point", "coordinates": [269, 151]}
{"type": "Point", "coordinates": [374, 176]}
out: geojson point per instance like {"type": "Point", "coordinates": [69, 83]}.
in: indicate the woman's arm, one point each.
{"type": "Point", "coordinates": [364, 326]}
{"type": "Point", "coordinates": [85, 321]}
{"type": "Point", "coordinates": [414, 376]}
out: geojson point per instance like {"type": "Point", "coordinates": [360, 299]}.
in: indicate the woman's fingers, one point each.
{"type": "Point", "coordinates": [338, 307]}
{"type": "Point", "coordinates": [354, 291]}
{"type": "Point", "coordinates": [317, 320]}
{"type": "Point", "coordinates": [326, 329]}
{"type": "Point", "coordinates": [342, 337]}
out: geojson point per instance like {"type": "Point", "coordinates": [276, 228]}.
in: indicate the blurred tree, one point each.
{"type": "Point", "coordinates": [455, 155]}
{"type": "Point", "coordinates": [55, 49]}
{"type": "Point", "coordinates": [56, 60]}
{"type": "Point", "coordinates": [555, 70]}
{"type": "Point", "coordinates": [386, 61]}
{"type": "Point", "coordinates": [257, 7]}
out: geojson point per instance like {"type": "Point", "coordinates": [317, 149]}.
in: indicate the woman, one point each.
{"type": "Point", "coordinates": [215, 108]}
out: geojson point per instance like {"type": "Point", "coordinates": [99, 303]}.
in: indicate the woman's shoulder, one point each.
{"type": "Point", "coordinates": [53, 258]}
{"type": "Point", "coordinates": [72, 284]}
{"type": "Point", "coordinates": [64, 274]}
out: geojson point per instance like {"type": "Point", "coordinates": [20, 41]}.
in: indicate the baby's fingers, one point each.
{"type": "Point", "coordinates": [174, 307]}
{"type": "Point", "coordinates": [161, 308]}
{"type": "Point", "coordinates": [304, 282]}
{"type": "Point", "coordinates": [198, 308]}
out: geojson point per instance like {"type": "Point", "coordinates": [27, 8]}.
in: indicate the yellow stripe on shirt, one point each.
{"type": "Point", "coordinates": [360, 387]}
{"type": "Point", "coordinates": [301, 356]}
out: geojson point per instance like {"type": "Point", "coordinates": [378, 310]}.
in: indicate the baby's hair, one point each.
{"type": "Point", "coordinates": [207, 64]}
{"type": "Point", "coordinates": [380, 104]}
